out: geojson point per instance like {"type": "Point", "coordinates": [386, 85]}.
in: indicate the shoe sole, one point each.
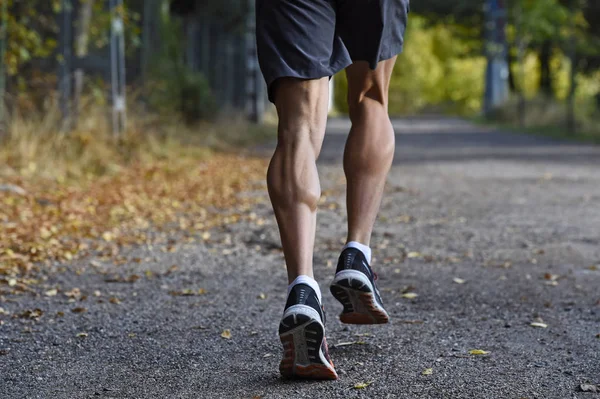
{"type": "Point", "coordinates": [356, 293]}
{"type": "Point", "coordinates": [302, 335]}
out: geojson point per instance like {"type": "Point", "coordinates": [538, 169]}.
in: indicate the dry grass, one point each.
{"type": "Point", "coordinates": [34, 147]}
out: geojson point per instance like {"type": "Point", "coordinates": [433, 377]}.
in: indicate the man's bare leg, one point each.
{"type": "Point", "coordinates": [367, 161]}
{"type": "Point", "coordinates": [292, 178]}
{"type": "Point", "coordinates": [295, 190]}
{"type": "Point", "coordinates": [370, 146]}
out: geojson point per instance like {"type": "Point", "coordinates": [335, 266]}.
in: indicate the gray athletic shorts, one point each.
{"type": "Point", "coordinates": [311, 39]}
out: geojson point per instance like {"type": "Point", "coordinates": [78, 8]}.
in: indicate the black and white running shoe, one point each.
{"type": "Point", "coordinates": [354, 286]}
{"type": "Point", "coordinates": [302, 333]}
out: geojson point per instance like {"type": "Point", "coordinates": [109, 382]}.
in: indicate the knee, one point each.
{"type": "Point", "coordinates": [370, 102]}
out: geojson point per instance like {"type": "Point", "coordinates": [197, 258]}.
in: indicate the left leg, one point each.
{"type": "Point", "coordinates": [367, 160]}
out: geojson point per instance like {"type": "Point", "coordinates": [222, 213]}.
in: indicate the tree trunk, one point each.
{"type": "Point", "coordinates": [510, 60]}
{"type": "Point", "coordinates": [81, 50]}
{"type": "Point", "coordinates": [545, 72]}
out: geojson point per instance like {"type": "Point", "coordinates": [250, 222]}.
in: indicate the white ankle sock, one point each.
{"type": "Point", "coordinates": [361, 247]}
{"type": "Point", "coordinates": [304, 279]}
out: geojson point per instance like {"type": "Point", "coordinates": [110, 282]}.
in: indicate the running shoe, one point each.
{"type": "Point", "coordinates": [302, 333]}
{"type": "Point", "coordinates": [354, 286]}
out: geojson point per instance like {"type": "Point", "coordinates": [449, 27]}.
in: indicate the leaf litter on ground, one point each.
{"type": "Point", "coordinates": [61, 220]}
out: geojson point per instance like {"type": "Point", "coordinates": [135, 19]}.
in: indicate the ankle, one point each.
{"type": "Point", "coordinates": [365, 249]}
{"type": "Point", "coordinates": [308, 280]}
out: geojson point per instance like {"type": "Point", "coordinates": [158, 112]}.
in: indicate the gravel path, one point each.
{"type": "Point", "coordinates": [492, 231]}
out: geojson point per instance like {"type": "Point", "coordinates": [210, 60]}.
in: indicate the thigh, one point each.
{"type": "Point", "coordinates": [302, 106]}
{"type": "Point", "coordinates": [296, 38]}
{"type": "Point", "coordinates": [366, 82]}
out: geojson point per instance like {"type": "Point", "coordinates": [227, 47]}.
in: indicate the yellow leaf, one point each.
{"type": "Point", "coordinates": [411, 255]}
{"type": "Point", "coordinates": [459, 280]}
{"type": "Point", "coordinates": [51, 292]}
{"type": "Point", "coordinates": [362, 385]}
{"type": "Point", "coordinates": [427, 371]}
{"type": "Point", "coordinates": [107, 236]}
{"type": "Point", "coordinates": [409, 295]}
{"type": "Point", "coordinates": [205, 235]}
{"type": "Point", "coordinates": [226, 334]}
{"type": "Point", "coordinates": [538, 324]}
{"type": "Point", "coordinates": [12, 282]}
{"type": "Point", "coordinates": [82, 335]}
{"type": "Point", "coordinates": [478, 352]}
{"type": "Point", "coordinates": [262, 296]}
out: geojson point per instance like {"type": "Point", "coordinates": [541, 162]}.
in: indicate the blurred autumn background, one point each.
{"type": "Point", "coordinates": [124, 115]}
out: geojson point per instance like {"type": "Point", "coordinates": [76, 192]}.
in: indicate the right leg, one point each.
{"type": "Point", "coordinates": [294, 189]}
{"type": "Point", "coordinates": [292, 178]}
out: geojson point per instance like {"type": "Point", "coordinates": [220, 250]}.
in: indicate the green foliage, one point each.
{"type": "Point", "coordinates": [439, 71]}
{"type": "Point", "coordinates": [27, 32]}
{"type": "Point", "coordinates": [173, 88]}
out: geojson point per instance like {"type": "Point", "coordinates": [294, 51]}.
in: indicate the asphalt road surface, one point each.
{"type": "Point", "coordinates": [491, 230]}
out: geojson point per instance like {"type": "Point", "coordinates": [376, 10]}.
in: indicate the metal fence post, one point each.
{"type": "Point", "coordinates": [64, 62]}
{"type": "Point", "coordinates": [3, 23]}
{"type": "Point", "coordinates": [117, 70]}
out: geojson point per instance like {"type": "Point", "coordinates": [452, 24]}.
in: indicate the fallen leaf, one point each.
{"type": "Point", "coordinates": [2, 311]}
{"type": "Point", "coordinates": [226, 334]}
{"type": "Point", "coordinates": [115, 300]}
{"type": "Point", "coordinates": [188, 292]}
{"type": "Point", "coordinates": [51, 292]}
{"type": "Point", "coordinates": [82, 335]}
{"type": "Point", "coordinates": [458, 280]}
{"type": "Point", "coordinates": [478, 352]}
{"type": "Point", "coordinates": [12, 282]}
{"type": "Point", "coordinates": [427, 371]}
{"type": "Point", "coordinates": [79, 310]}
{"type": "Point", "coordinates": [349, 343]}
{"type": "Point", "coordinates": [362, 385]}
{"type": "Point", "coordinates": [412, 255]}
{"type": "Point", "coordinates": [262, 296]}
{"type": "Point", "coordinates": [30, 314]}
{"type": "Point", "coordinates": [74, 293]}
{"type": "Point", "coordinates": [97, 293]}
{"type": "Point", "coordinates": [589, 388]}
{"type": "Point", "coordinates": [410, 295]}
{"type": "Point", "coordinates": [131, 335]}
{"type": "Point", "coordinates": [538, 324]}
